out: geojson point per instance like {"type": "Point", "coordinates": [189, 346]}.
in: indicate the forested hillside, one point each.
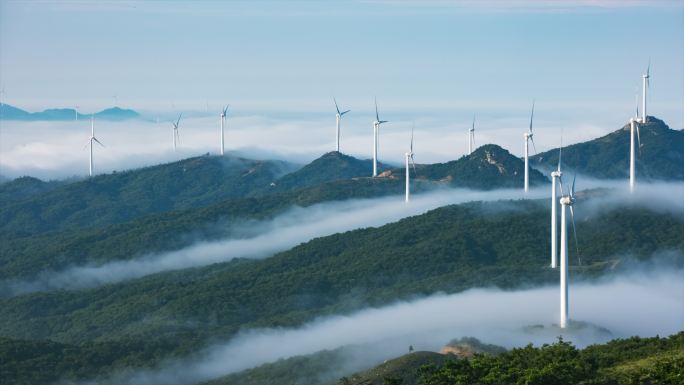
{"type": "Point", "coordinates": [119, 197]}
{"type": "Point", "coordinates": [449, 249]}
{"type": "Point", "coordinates": [661, 155]}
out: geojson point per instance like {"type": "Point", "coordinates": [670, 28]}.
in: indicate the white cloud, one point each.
{"type": "Point", "coordinates": [53, 150]}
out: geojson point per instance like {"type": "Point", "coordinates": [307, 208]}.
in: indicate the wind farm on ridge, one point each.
{"type": "Point", "coordinates": [565, 198]}
{"type": "Point", "coordinates": [277, 246]}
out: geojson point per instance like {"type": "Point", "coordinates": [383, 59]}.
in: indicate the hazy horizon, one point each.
{"type": "Point", "coordinates": [279, 65]}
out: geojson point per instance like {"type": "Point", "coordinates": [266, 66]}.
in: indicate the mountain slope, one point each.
{"type": "Point", "coordinates": [330, 167]}
{"type": "Point", "coordinates": [405, 369]}
{"type": "Point", "coordinates": [661, 156]}
{"type": "Point", "coordinates": [446, 250]}
{"type": "Point", "coordinates": [8, 112]}
{"type": "Point", "coordinates": [23, 254]}
{"type": "Point", "coordinates": [24, 187]}
{"type": "Point", "coordinates": [116, 113]}
{"type": "Point", "coordinates": [115, 198]}
{"type": "Point", "coordinates": [488, 167]}
{"type": "Point", "coordinates": [622, 361]}
{"type": "Point", "coordinates": [127, 219]}
{"type": "Point", "coordinates": [118, 197]}
{"type": "Point", "coordinates": [449, 249]}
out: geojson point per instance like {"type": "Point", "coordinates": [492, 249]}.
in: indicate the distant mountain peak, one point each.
{"type": "Point", "coordinates": [489, 166]}
{"type": "Point", "coordinates": [9, 112]}
{"type": "Point", "coordinates": [329, 167]}
{"type": "Point", "coordinates": [661, 155]}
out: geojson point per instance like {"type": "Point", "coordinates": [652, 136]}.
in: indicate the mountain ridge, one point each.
{"type": "Point", "coordinates": [661, 156]}
{"type": "Point", "coordinates": [9, 112]}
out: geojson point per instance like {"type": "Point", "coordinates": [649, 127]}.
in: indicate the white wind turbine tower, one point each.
{"type": "Point", "coordinates": [471, 137]}
{"type": "Point", "coordinates": [633, 123]}
{"type": "Point", "coordinates": [528, 138]}
{"type": "Point", "coordinates": [646, 83]}
{"type": "Point", "coordinates": [338, 118]}
{"type": "Point", "coordinates": [176, 137]}
{"type": "Point", "coordinates": [409, 157]}
{"type": "Point", "coordinates": [376, 129]}
{"type": "Point", "coordinates": [223, 119]}
{"type": "Point", "coordinates": [90, 143]}
{"type": "Point", "coordinates": [565, 201]}
{"type": "Point", "coordinates": [555, 177]}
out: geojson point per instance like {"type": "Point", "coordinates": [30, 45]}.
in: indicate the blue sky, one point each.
{"type": "Point", "coordinates": [294, 55]}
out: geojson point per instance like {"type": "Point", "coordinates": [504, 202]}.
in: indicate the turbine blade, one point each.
{"type": "Point", "coordinates": [533, 146]}
{"type": "Point", "coordinates": [414, 165]}
{"type": "Point", "coordinates": [377, 117]}
{"type": "Point", "coordinates": [574, 231]}
{"type": "Point", "coordinates": [382, 121]}
{"type": "Point", "coordinates": [532, 116]}
{"type": "Point", "coordinates": [100, 143]}
{"type": "Point", "coordinates": [225, 110]}
{"type": "Point", "coordinates": [572, 191]}
{"type": "Point", "coordinates": [342, 113]}
{"type": "Point", "coordinates": [412, 127]}
{"type": "Point", "coordinates": [178, 121]}
{"type": "Point", "coordinates": [638, 137]}
{"type": "Point", "coordinates": [560, 184]}
{"type": "Point", "coordinates": [336, 107]}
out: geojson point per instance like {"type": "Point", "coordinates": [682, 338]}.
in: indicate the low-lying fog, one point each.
{"type": "Point", "coordinates": [648, 301]}
{"type": "Point", "coordinates": [263, 239]}
{"type": "Point", "coordinates": [296, 226]}
{"type": "Point", "coordinates": [54, 150]}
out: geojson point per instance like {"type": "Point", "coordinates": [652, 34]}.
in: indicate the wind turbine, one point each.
{"type": "Point", "coordinates": [633, 123]}
{"type": "Point", "coordinates": [409, 156]}
{"type": "Point", "coordinates": [471, 137]}
{"type": "Point", "coordinates": [338, 118]}
{"type": "Point", "coordinates": [223, 118]}
{"type": "Point", "coordinates": [376, 130]}
{"type": "Point", "coordinates": [528, 138]}
{"type": "Point", "coordinates": [176, 137]}
{"type": "Point", "coordinates": [565, 201]}
{"type": "Point", "coordinates": [76, 112]}
{"type": "Point", "coordinates": [90, 143]}
{"type": "Point", "coordinates": [555, 175]}
{"type": "Point", "coordinates": [646, 84]}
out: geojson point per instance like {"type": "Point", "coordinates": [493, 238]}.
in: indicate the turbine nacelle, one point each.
{"type": "Point", "coordinates": [177, 122]}
{"type": "Point", "coordinates": [567, 200]}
